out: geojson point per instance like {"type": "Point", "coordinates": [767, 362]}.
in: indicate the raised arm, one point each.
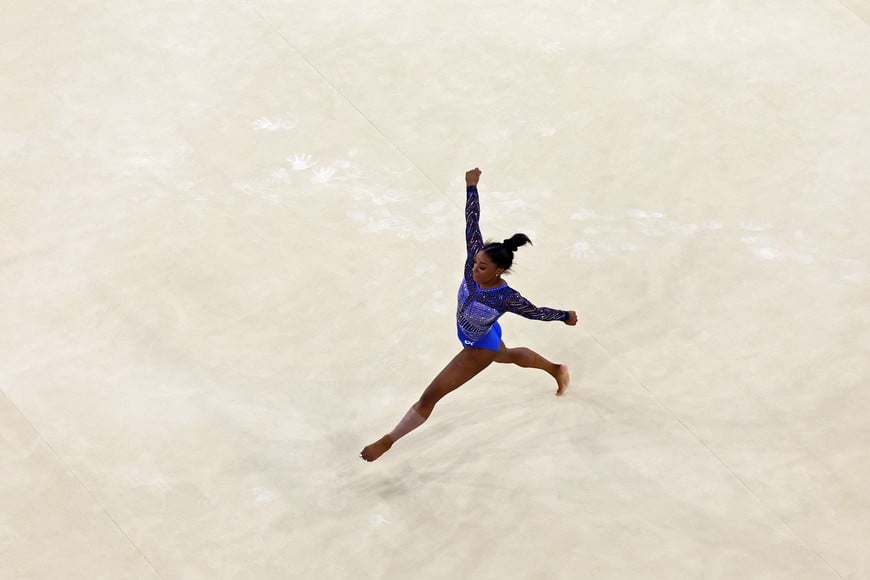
{"type": "Point", "coordinates": [473, 237]}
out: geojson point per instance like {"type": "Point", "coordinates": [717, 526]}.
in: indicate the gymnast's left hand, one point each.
{"type": "Point", "coordinates": [572, 318]}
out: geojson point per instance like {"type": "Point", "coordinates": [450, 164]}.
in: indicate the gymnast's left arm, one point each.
{"type": "Point", "coordinates": [517, 304]}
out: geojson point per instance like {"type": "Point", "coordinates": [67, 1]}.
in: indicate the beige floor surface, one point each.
{"type": "Point", "coordinates": [231, 237]}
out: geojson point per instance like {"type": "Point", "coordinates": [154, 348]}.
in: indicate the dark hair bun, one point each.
{"type": "Point", "coordinates": [515, 241]}
{"type": "Point", "coordinates": [502, 253]}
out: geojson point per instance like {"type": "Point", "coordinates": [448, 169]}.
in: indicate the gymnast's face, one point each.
{"type": "Point", "coordinates": [485, 272]}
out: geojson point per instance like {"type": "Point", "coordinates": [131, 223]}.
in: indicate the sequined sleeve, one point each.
{"type": "Point", "coordinates": [518, 305]}
{"type": "Point", "coordinates": [473, 237]}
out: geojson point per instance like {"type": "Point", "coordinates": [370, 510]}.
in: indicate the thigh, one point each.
{"type": "Point", "coordinates": [502, 356]}
{"type": "Point", "coordinates": [459, 371]}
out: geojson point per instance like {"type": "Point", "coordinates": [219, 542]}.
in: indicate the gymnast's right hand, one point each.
{"type": "Point", "coordinates": [572, 318]}
{"type": "Point", "coordinates": [472, 176]}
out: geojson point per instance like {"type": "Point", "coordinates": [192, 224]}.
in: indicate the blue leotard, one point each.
{"type": "Point", "coordinates": [478, 309]}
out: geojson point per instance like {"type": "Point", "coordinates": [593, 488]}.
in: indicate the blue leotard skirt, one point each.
{"type": "Point", "coordinates": [490, 341]}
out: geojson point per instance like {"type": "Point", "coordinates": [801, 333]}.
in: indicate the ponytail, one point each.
{"type": "Point", "coordinates": [502, 253]}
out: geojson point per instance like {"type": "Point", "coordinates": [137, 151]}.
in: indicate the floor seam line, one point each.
{"type": "Point", "coordinates": [78, 480]}
{"type": "Point", "coordinates": [853, 12]}
{"type": "Point", "coordinates": [719, 460]}
{"type": "Point", "coordinates": [345, 97]}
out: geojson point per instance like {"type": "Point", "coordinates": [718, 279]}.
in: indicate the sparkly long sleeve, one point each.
{"type": "Point", "coordinates": [518, 305]}
{"type": "Point", "coordinates": [473, 237]}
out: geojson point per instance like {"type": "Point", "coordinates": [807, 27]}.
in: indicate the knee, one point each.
{"type": "Point", "coordinates": [426, 403]}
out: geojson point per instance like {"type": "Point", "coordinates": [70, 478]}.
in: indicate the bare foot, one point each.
{"type": "Point", "coordinates": [376, 449]}
{"type": "Point", "coordinates": [562, 379]}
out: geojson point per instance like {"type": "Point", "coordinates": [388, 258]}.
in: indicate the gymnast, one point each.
{"type": "Point", "coordinates": [483, 297]}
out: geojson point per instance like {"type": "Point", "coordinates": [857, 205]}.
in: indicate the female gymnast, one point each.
{"type": "Point", "coordinates": [483, 298]}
